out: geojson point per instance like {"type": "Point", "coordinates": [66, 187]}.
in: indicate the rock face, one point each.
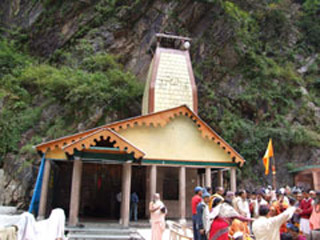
{"type": "Point", "coordinates": [246, 92]}
{"type": "Point", "coordinates": [16, 182]}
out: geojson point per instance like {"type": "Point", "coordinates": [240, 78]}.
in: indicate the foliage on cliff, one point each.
{"type": "Point", "coordinates": [54, 100]}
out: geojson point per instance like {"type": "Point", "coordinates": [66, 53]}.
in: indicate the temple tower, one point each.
{"type": "Point", "coordinates": [170, 81]}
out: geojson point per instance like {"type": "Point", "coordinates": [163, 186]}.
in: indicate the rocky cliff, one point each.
{"type": "Point", "coordinates": [70, 65]}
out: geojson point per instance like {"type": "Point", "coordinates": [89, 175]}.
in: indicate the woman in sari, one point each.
{"type": "Point", "coordinates": [158, 212]}
{"type": "Point", "coordinates": [221, 217]}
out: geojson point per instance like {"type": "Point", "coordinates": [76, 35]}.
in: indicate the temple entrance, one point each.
{"type": "Point", "coordinates": [60, 186]}
{"type": "Point", "coordinates": [100, 185]}
{"type": "Point", "coordinates": [99, 188]}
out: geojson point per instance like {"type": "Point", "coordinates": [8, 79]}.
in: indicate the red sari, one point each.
{"type": "Point", "coordinates": [219, 229]}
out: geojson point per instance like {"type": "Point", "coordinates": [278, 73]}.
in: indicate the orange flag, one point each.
{"type": "Point", "coordinates": [267, 156]}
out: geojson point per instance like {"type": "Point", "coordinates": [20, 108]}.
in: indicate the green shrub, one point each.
{"type": "Point", "coordinates": [29, 88]}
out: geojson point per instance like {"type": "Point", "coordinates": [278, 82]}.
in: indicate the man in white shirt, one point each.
{"type": "Point", "coordinates": [269, 228]}
{"type": "Point", "coordinates": [243, 204]}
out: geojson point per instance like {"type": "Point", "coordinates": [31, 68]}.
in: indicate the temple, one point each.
{"type": "Point", "coordinates": [307, 177]}
{"type": "Point", "coordinates": [168, 149]}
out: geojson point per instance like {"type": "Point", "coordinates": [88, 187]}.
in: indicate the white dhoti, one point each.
{"type": "Point", "coordinates": [304, 225]}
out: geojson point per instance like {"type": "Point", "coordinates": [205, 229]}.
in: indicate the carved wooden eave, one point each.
{"type": "Point", "coordinates": [157, 119]}
{"type": "Point", "coordinates": [103, 134]}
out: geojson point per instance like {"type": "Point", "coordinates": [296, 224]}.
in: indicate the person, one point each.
{"type": "Point", "coordinates": [260, 201]}
{"type": "Point", "coordinates": [202, 217]}
{"type": "Point", "coordinates": [134, 199]}
{"type": "Point", "coordinates": [158, 212]}
{"type": "Point", "coordinates": [238, 226]}
{"type": "Point", "coordinates": [243, 204]}
{"type": "Point", "coordinates": [253, 205]}
{"type": "Point", "coordinates": [269, 228]}
{"type": "Point", "coordinates": [293, 231]}
{"type": "Point", "coordinates": [235, 200]}
{"type": "Point", "coordinates": [305, 210]}
{"type": "Point", "coordinates": [280, 205]}
{"type": "Point", "coordinates": [229, 197]}
{"type": "Point", "coordinates": [313, 195]}
{"type": "Point", "coordinates": [296, 216]}
{"type": "Point", "coordinates": [315, 218]}
{"type": "Point", "coordinates": [219, 194]}
{"type": "Point", "coordinates": [283, 194]}
{"type": "Point", "coordinates": [221, 217]}
{"type": "Point", "coordinates": [196, 199]}
{"type": "Point", "coordinates": [119, 200]}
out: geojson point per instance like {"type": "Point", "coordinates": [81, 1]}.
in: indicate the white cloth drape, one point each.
{"type": "Point", "coordinates": [29, 229]}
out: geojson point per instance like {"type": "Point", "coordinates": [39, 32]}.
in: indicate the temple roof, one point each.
{"type": "Point", "coordinates": [83, 140]}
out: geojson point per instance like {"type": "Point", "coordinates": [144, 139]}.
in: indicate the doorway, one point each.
{"type": "Point", "coordinates": [99, 188]}
{"type": "Point", "coordinates": [138, 185]}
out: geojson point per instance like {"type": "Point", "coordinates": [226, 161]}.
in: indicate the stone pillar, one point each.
{"type": "Point", "coordinates": [203, 181]}
{"type": "Point", "coordinates": [208, 177]}
{"type": "Point", "coordinates": [126, 191]}
{"type": "Point", "coordinates": [220, 178]}
{"type": "Point", "coordinates": [44, 190]}
{"type": "Point", "coordinates": [75, 192]}
{"type": "Point", "coordinates": [233, 179]}
{"type": "Point", "coordinates": [182, 194]}
{"type": "Point", "coordinates": [316, 180]}
{"type": "Point", "coordinates": [198, 179]}
{"type": "Point", "coordinates": [153, 180]}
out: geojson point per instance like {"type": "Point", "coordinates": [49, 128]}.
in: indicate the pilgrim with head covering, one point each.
{"type": "Point", "coordinates": [221, 216]}
{"type": "Point", "coordinates": [196, 199]}
{"type": "Point", "coordinates": [218, 194]}
{"type": "Point", "coordinates": [202, 217]}
{"type": "Point", "coordinates": [158, 212]}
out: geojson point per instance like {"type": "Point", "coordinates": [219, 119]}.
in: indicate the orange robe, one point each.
{"type": "Point", "coordinates": [281, 207]}
{"type": "Point", "coordinates": [239, 226]}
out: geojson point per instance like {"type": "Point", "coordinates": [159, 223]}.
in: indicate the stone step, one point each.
{"type": "Point", "coordinates": [103, 234]}
{"type": "Point", "coordinates": [78, 236]}
{"type": "Point", "coordinates": [114, 231]}
{"type": "Point", "coordinates": [74, 236]}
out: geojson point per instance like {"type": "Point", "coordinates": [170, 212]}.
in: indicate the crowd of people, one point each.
{"type": "Point", "coordinates": [285, 214]}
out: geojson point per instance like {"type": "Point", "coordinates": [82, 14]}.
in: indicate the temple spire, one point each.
{"type": "Point", "coordinates": [170, 81]}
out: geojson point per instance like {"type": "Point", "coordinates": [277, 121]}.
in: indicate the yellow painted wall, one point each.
{"type": "Point", "coordinates": [178, 140]}
{"type": "Point", "coordinates": [56, 154]}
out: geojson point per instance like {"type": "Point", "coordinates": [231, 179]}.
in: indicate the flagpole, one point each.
{"type": "Point", "coordinates": [274, 178]}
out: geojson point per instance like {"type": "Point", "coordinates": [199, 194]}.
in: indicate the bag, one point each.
{"type": "Point", "coordinates": [163, 209]}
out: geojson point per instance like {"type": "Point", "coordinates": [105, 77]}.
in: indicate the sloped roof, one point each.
{"type": "Point", "coordinates": [87, 138]}
{"type": "Point", "coordinates": [103, 134]}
